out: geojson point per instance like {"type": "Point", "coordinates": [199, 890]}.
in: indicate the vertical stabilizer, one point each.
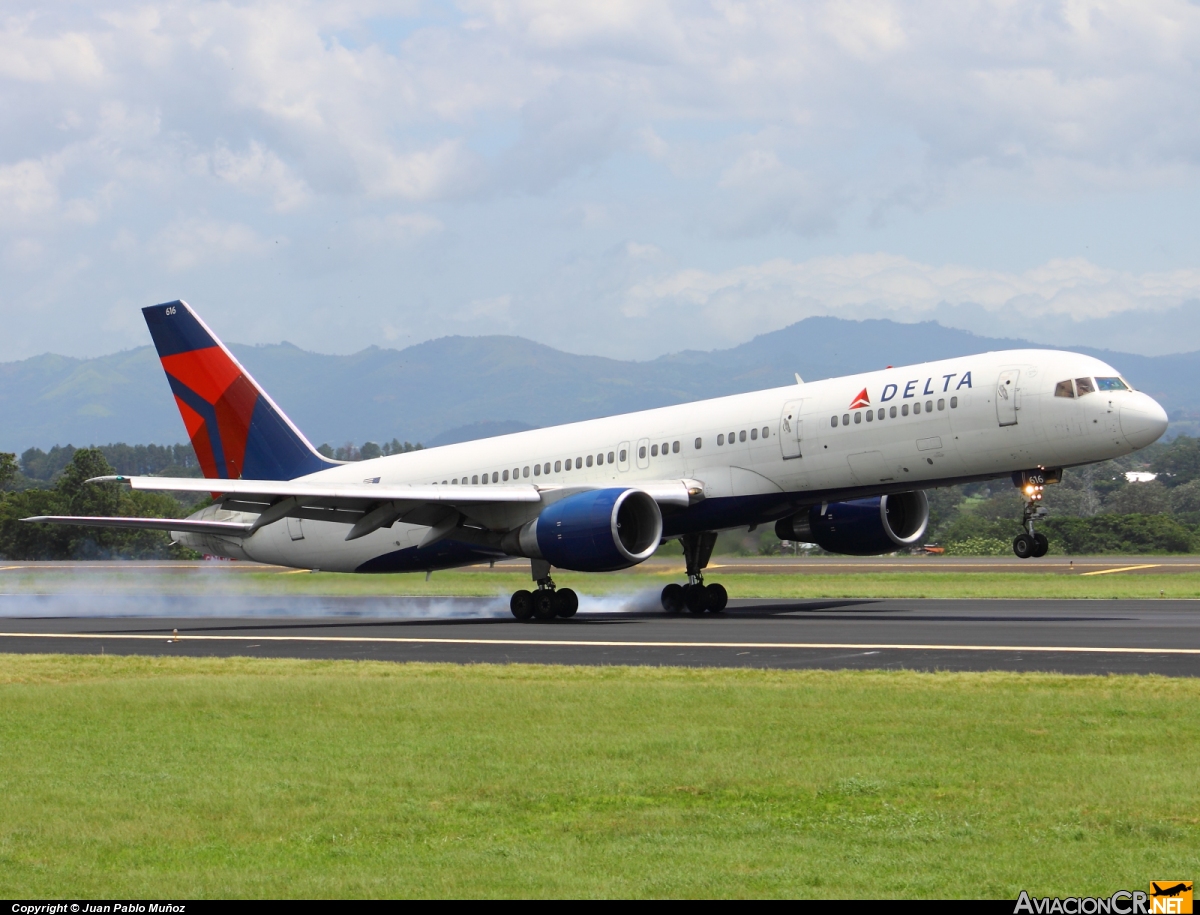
{"type": "Point", "coordinates": [235, 428]}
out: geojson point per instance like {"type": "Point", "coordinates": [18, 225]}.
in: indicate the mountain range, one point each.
{"type": "Point", "coordinates": [458, 388]}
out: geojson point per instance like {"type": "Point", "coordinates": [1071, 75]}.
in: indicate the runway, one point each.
{"type": "Point", "coordinates": [1069, 636]}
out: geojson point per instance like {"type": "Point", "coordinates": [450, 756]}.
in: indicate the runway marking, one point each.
{"type": "Point", "coordinates": [7, 568]}
{"type": "Point", "coordinates": [1123, 569]}
{"type": "Point", "coordinates": [568, 643]}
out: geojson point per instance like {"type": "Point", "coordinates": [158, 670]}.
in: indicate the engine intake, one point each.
{"type": "Point", "coordinates": [597, 531]}
{"type": "Point", "coordinates": [861, 527]}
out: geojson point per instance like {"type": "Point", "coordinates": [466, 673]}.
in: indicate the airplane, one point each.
{"type": "Point", "coordinates": [843, 463]}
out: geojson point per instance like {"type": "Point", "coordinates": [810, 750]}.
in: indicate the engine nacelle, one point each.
{"type": "Point", "coordinates": [862, 527]}
{"type": "Point", "coordinates": [597, 531]}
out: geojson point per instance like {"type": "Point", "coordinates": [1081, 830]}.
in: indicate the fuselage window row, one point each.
{"type": "Point", "coordinates": [889, 412]}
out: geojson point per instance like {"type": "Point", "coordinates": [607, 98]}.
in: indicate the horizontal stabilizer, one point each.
{"type": "Point", "coordinates": [148, 524]}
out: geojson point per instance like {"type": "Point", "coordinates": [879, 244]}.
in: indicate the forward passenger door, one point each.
{"type": "Point", "coordinates": [790, 428]}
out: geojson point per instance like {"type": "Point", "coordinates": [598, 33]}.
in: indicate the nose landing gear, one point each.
{"type": "Point", "coordinates": [547, 602]}
{"type": "Point", "coordinates": [1031, 543]}
{"type": "Point", "coordinates": [696, 597]}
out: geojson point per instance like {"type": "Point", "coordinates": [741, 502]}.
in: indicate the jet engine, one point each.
{"type": "Point", "coordinates": [861, 527]}
{"type": "Point", "coordinates": [597, 531]}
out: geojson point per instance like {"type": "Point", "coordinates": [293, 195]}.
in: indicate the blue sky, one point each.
{"type": "Point", "coordinates": [622, 178]}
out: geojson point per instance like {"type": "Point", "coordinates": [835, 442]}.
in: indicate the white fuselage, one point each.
{"type": "Point", "coordinates": [759, 456]}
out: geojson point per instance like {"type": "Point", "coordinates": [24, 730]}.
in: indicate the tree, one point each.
{"type": "Point", "coordinates": [8, 468]}
{"type": "Point", "coordinates": [1179, 462]}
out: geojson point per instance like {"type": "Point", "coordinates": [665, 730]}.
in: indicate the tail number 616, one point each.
{"type": "Point", "coordinates": [170, 310]}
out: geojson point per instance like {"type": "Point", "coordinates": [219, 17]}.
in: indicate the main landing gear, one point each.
{"type": "Point", "coordinates": [1031, 543]}
{"type": "Point", "coordinates": [547, 601]}
{"type": "Point", "coordinates": [696, 596]}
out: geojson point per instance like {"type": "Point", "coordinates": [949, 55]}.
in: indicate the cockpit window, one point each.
{"type": "Point", "coordinates": [1111, 384]}
{"type": "Point", "coordinates": [1084, 386]}
{"type": "Point", "coordinates": [1064, 389]}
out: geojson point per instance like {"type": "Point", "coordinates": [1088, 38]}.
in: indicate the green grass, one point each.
{"type": "Point", "coordinates": [798, 584]}
{"type": "Point", "coordinates": [177, 777]}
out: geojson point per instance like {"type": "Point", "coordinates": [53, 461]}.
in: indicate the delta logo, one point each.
{"type": "Point", "coordinates": [862, 400]}
{"type": "Point", "coordinates": [916, 388]}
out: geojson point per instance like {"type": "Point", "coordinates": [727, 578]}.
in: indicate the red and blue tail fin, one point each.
{"type": "Point", "coordinates": [235, 428]}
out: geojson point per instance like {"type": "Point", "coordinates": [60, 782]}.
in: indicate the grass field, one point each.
{"type": "Point", "coordinates": [799, 584]}
{"type": "Point", "coordinates": [177, 777]}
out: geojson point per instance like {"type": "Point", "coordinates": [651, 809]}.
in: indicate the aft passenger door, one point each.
{"type": "Point", "coordinates": [790, 426]}
{"type": "Point", "coordinates": [1006, 397]}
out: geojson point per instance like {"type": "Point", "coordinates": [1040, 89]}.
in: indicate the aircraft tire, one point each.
{"type": "Point", "coordinates": [566, 603]}
{"type": "Point", "coordinates": [1023, 546]}
{"type": "Point", "coordinates": [521, 605]}
{"type": "Point", "coordinates": [1041, 545]}
{"type": "Point", "coordinates": [695, 599]}
{"type": "Point", "coordinates": [672, 598]}
{"type": "Point", "coordinates": [717, 597]}
{"type": "Point", "coordinates": [544, 604]}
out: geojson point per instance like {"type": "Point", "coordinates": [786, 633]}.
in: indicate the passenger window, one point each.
{"type": "Point", "coordinates": [941, 404]}
{"type": "Point", "coordinates": [641, 452]}
{"type": "Point", "coordinates": [654, 451]}
{"type": "Point", "coordinates": [721, 439]}
{"type": "Point", "coordinates": [674, 447]}
{"type": "Point", "coordinates": [742, 436]}
{"type": "Point", "coordinates": [882, 413]}
{"type": "Point", "coordinates": [857, 418]}
{"type": "Point", "coordinates": [557, 466]}
{"type": "Point", "coordinates": [537, 470]}
{"type": "Point", "coordinates": [455, 481]}
{"type": "Point", "coordinates": [1084, 386]}
{"type": "Point", "coordinates": [1064, 389]}
{"type": "Point", "coordinates": [892, 412]}
{"type": "Point", "coordinates": [546, 467]}
{"type": "Point", "coordinates": [589, 460]}
{"type": "Point", "coordinates": [496, 476]}
{"type": "Point", "coordinates": [599, 460]}
{"type": "Point", "coordinates": [623, 457]}
{"type": "Point", "coordinates": [516, 473]}
{"type": "Point", "coordinates": [525, 473]}
{"type": "Point", "coordinates": [754, 435]}
{"type": "Point", "coordinates": [698, 444]}
{"type": "Point", "coordinates": [832, 422]}
{"type": "Point", "coordinates": [665, 449]}
{"type": "Point", "coordinates": [917, 407]}
{"type": "Point", "coordinates": [610, 457]}
{"type": "Point", "coordinates": [1110, 384]}
{"type": "Point", "coordinates": [904, 410]}
{"type": "Point", "coordinates": [506, 476]}
{"type": "Point", "coordinates": [475, 479]}
{"type": "Point", "coordinates": [732, 437]}
{"type": "Point", "coordinates": [845, 419]}
{"type": "Point", "coordinates": [953, 403]}
{"type": "Point", "coordinates": [578, 463]}
{"type": "Point", "coordinates": [766, 431]}
{"type": "Point", "coordinates": [870, 416]}
{"type": "Point", "coordinates": [929, 406]}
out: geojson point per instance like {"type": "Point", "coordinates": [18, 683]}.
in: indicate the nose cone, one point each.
{"type": "Point", "coordinates": [1143, 421]}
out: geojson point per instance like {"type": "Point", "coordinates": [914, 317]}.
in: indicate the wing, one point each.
{"type": "Point", "coordinates": [365, 506]}
{"type": "Point", "coordinates": [149, 524]}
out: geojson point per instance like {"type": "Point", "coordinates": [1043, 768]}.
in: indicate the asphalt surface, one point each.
{"type": "Point", "coordinates": [1070, 636]}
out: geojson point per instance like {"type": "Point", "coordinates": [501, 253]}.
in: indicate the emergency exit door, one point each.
{"type": "Point", "coordinates": [1007, 394]}
{"type": "Point", "coordinates": [790, 429]}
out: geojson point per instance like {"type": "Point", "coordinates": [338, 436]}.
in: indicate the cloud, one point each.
{"type": "Point", "coordinates": [189, 243]}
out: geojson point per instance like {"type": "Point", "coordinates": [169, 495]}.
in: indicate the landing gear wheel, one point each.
{"type": "Point", "coordinates": [672, 598]}
{"type": "Point", "coordinates": [1024, 545]}
{"type": "Point", "coordinates": [695, 598]}
{"type": "Point", "coordinates": [716, 597]}
{"type": "Point", "coordinates": [1040, 545]}
{"type": "Point", "coordinates": [521, 605]}
{"type": "Point", "coordinates": [543, 604]}
{"type": "Point", "coordinates": [566, 603]}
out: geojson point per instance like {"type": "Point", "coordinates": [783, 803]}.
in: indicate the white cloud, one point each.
{"type": "Point", "coordinates": [738, 303]}
{"type": "Point", "coordinates": [189, 243]}
{"type": "Point", "coordinates": [261, 171]}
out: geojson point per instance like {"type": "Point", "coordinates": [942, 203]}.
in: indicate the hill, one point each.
{"type": "Point", "coordinates": [461, 387]}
